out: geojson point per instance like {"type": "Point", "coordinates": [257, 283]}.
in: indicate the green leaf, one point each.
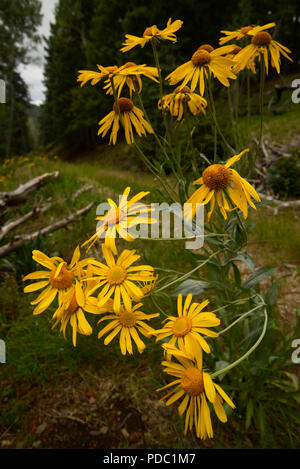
{"type": "Point", "coordinates": [260, 274]}
{"type": "Point", "coordinates": [196, 287]}
{"type": "Point", "coordinates": [220, 365]}
{"type": "Point", "coordinates": [246, 259]}
{"type": "Point", "coordinates": [270, 295]}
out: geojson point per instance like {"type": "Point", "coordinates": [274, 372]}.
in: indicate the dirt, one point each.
{"type": "Point", "coordinates": [87, 411]}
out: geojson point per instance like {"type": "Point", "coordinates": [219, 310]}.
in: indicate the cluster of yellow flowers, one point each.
{"type": "Point", "coordinates": [115, 287]}
{"type": "Point", "coordinates": [120, 287]}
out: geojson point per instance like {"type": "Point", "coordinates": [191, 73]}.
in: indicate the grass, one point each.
{"type": "Point", "coordinates": [41, 360]}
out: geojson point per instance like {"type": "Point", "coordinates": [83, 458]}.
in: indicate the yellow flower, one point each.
{"type": "Point", "coordinates": [132, 117]}
{"type": "Point", "coordinates": [128, 323]}
{"type": "Point", "coordinates": [59, 278]}
{"type": "Point", "coordinates": [232, 55]}
{"type": "Point", "coordinates": [152, 33]}
{"type": "Point", "coordinates": [119, 280]}
{"type": "Point", "coordinates": [120, 218]}
{"type": "Point", "coordinates": [197, 389]}
{"type": "Point", "coordinates": [95, 77]}
{"type": "Point", "coordinates": [262, 45]}
{"type": "Point", "coordinates": [243, 32]}
{"type": "Point", "coordinates": [129, 74]}
{"type": "Point", "coordinates": [220, 183]}
{"type": "Point", "coordinates": [182, 98]}
{"type": "Point", "coordinates": [188, 327]}
{"type": "Point", "coordinates": [75, 302]}
{"type": "Point", "coordinates": [202, 64]}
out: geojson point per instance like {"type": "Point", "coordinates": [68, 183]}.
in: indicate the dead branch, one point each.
{"type": "Point", "coordinates": [17, 244]}
{"type": "Point", "coordinates": [85, 188]}
{"type": "Point", "coordinates": [21, 193]}
{"type": "Point", "coordinates": [4, 230]}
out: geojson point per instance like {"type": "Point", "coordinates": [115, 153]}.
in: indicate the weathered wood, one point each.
{"type": "Point", "coordinates": [4, 230]}
{"type": "Point", "coordinates": [17, 244]}
{"type": "Point", "coordinates": [20, 194]}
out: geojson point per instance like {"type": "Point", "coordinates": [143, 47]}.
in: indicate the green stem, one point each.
{"type": "Point", "coordinates": [161, 90]}
{"type": "Point", "coordinates": [261, 97]}
{"type": "Point", "coordinates": [214, 115]}
{"type": "Point", "coordinates": [172, 194]}
{"type": "Point", "coordinates": [248, 100]}
{"type": "Point", "coordinates": [243, 316]}
{"type": "Point", "coordinates": [233, 123]}
{"type": "Point", "coordinates": [183, 277]}
{"type": "Point", "coordinates": [246, 355]}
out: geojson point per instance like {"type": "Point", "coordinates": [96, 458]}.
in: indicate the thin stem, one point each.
{"type": "Point", "coordinates": [246, 355]}
{"type": "Point", "coordinates": [183, 277]}
{"type": "Point", "coordinates": [248, 99]}
{"type": "Point", "coordinates": [233, 123]}
{"type": "Point", "coordinates": [153, 170]}
{"type": "Point", "coordinates": [261, 97]}
{"type": "Point", "coordinates": [161, 90]}
{"type": "Point", "coordinates": [243, 316]}
{"type": "Point", "coordinates": [214, 115]}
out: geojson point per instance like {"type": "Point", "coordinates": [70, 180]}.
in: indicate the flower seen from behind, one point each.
{"type": "Point", "coordinates": [153, 33]}
{"type": "Point", "coordinates": [222, 185]}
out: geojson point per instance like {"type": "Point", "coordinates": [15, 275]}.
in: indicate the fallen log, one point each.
{"type": "Point", "coordinates": [22, 239]}
{"type": "Point", "coordinates": [4, 230]}
{"type": "Point", "coordinates": [20, 194]}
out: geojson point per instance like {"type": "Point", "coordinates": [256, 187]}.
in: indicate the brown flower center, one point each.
{"type": "Point", "coordinates": [127, 318]}
{"type": "Point", "coordinates": [201, 57]}
{"type": "Point", "coordinates": [236, 50]}
{"type": "Point", "coordinates": [182, 326]}
{"type": "Point", "coordinates": [73, 304]}
{"type": "Point", "coordinates": [246, 29]}
{"type": "Point", "coordinates": [206, 47]}
{"type": "Point", "coordinates": [179, 89]}
{"type": "Point", "coordinates": [148, 31]}
{"type": "Point", "coordinates": [192, 381]}
{"type": "Point", "coordinates": [116, 275]}
{"type": "Point", "coordinates": [261, 39]}
{"type": "Point", "coordinates": [216, 177]}
{"type": "Point", "coordinates": [129, 64]}
{"type": "Point", "coordinates": [125, 105]}
{"type": "Point", "coordinates": [63, 280]}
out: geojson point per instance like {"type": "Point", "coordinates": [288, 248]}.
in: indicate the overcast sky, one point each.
{"type": "Point", "coordinates": [33, 73]}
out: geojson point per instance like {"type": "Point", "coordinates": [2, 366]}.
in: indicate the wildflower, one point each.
{"type": "Point", "coordinates": [95, 77]}
{"type": "Point", "coordinates": [132, 117]}
{"type": "Point", "coordinates": [197, 389]}
{"type": "Point", "coordinates": [188, 327]}
{"type": "Point", "coordinates": [202, 64]}
{"type": "Point", "coordinates": [119, 280]}
{"type": "Point", "coordinates": [244, 32]}
{"type": "Point", "coordinates": [129, 74]}
{"type": "Point", "coordinates": [262, 45]}
{"type": "Point", "coordinates": [152, 33]}
{"type": "Point", "coordinates": [59, 278]}
{"type": "Point", "coordinates": [75, 303]}
{"type": "Point", "coordinates": [128, 323]}
{"type": "Point", "coordinates": [120, 218]}
{"type": "Point", "coordinates": [221, 183]}
{"type": "Point", "coordinates": [182, 98]}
